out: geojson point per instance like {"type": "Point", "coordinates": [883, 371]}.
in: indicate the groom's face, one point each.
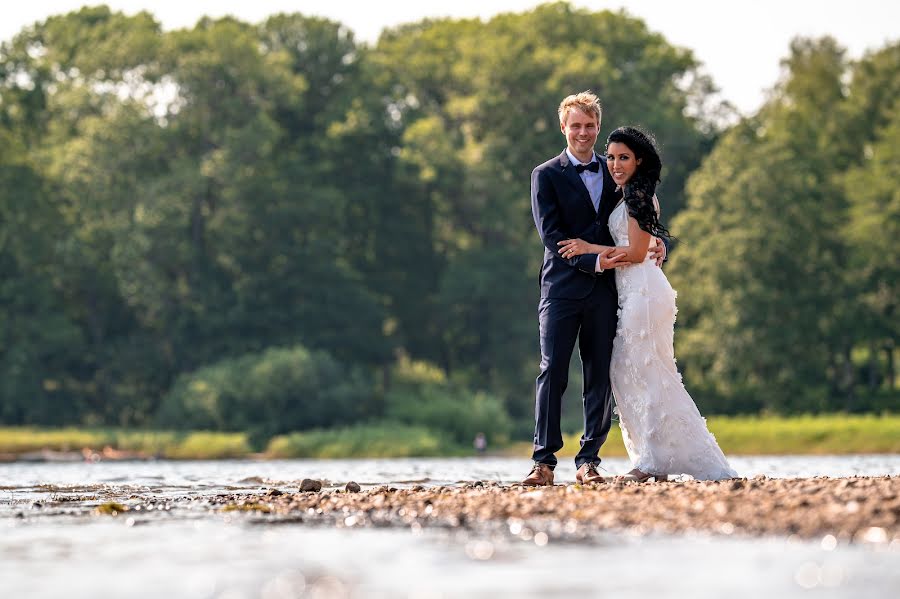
{"type": "Point", "coordinates": [581, 131]}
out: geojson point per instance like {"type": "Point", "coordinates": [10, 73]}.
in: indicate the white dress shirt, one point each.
{"type": "Point", "coordinates": [594, 183]}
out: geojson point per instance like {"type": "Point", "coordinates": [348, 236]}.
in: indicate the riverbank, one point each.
{"type": "Point", "coordinates": [836, 434]}
{"type": "Point", "coordinates": [857, 509]}
{"type": "Point", "coordinates": [830, 434]}
{"type": "Point", "coordinates": [204, 529]}
{"type": "Point", "coordinates": [860, 510]}
{"type": "Point", "coordinates": [75, 444]}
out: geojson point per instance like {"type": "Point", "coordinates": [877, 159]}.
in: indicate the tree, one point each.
{"type": "Point", "coordinates": [477, 104]}
{"type": "Point", "coordinates": [774, 262]}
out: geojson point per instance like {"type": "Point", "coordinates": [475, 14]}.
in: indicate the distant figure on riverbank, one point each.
{"type": "Point", "coordinates": [480, 443]}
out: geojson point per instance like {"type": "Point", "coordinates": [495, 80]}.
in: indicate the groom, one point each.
{"type": "Point", "coordinates": [572, 195]}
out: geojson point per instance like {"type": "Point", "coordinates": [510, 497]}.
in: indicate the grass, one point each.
{"type": "Point", "coordinates": [380, 440]}
{"type": "Point", "coordinates": [164, 444]}
{"type": "Point", "coordinates": [829, 434]}
{"type": "Point", "coordinates": [776, 435]}
{"type": "Point", "coordinates": [737, 435]}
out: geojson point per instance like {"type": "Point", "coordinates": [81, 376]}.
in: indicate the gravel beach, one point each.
{"type": "Point", "coordinates": [858, 509]}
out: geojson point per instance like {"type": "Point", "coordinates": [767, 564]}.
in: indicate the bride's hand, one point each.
{"type": "Point", "coordinates": [576, 247]}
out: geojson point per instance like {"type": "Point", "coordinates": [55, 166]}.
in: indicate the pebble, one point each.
{"type": "Point", "coordinates": [310, 485]}
{"type": "Point", "coordinates": [353, 487]}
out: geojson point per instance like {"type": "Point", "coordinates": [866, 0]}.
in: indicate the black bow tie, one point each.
{"type": "Point", "coordinates": [593, 167]}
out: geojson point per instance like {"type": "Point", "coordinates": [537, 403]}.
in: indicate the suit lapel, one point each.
{"type": "Point", "coordinates": [569, 171]}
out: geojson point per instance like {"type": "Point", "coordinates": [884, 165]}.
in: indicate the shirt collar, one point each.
{"type": "Point", "coordinates": [574, 160]}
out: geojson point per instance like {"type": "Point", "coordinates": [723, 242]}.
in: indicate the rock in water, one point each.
{"type": "Point", "coordinates": [308, 484]}
{"type": "Point", "coordinates": [353, 487]}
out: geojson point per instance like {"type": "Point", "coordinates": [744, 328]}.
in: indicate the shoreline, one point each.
{"type": "Point", "coordinates": [109, 455]}
{"type": "Point", "coordinates": [854, 509]}
{"type": "Point", "coordinates": [851, 510]}
{"type": "Point", "coordinates": [830, 434]}
{"type": "Point", "coordinates": [91, 456]}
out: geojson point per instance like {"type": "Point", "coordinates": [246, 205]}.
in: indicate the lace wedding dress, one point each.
{"type": "Point", "coordinates": [663, 431]}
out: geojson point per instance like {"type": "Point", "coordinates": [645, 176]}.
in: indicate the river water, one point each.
{"type": "Point", "coordinates": [192, 553]}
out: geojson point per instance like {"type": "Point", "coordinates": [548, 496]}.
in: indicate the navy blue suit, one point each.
{"type": "Point", "coordinates": [576, 304]}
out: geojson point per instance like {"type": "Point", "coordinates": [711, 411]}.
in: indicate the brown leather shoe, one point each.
{"type": "Point", "coordinates": [588, 474]}
{"type": "Point", "coordinates": [540, 476]}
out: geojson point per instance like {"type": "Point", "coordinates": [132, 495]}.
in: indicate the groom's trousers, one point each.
{"type": "Point", "coordinates": [592, 322]}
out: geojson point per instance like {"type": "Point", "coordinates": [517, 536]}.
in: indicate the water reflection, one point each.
{"type": "Point", "coordinates": [200, 477]}
{"type": "Point", "coordinates": [216, 559]}
{"type": "Point", "coordinates": [150, 550]}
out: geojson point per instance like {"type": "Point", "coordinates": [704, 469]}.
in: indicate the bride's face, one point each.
{"type": "Point", "coordinates": [621, 162]}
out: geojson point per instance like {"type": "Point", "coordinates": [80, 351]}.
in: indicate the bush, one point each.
{"type": "Point", "coordinates": [277, 391]}
{"type": "Point", "coordinates": [458, 413]}
{"type": "Point", "coordinates": [194, 445]}
{"type": "Point", "coordinates": [15, 440]}
{"type": "Point", "coordinates": [202, 445]}
{"type": "Point", "coordinates": [380, 440]}
{"type": "Point", "coordinates": [422, 395]}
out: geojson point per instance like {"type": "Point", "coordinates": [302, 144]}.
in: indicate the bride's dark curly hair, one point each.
{"type": "Point", "coordinates": [639, 190]}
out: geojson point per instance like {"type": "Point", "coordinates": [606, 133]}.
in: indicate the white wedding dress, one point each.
{"type": "Point", "coordinates": [663, 431]}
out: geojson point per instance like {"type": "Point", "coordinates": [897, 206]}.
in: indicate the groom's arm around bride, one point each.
{"type": "Point", "coordinates": [546, 212]}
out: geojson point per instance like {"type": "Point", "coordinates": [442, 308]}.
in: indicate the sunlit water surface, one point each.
{"type": "Point", "coordinates": [195, 553]}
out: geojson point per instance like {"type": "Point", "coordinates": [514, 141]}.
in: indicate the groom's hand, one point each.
{"type": "Point", "coordinates": [657, 251]}
{"type": "Point", "coordinates": [611, 257]}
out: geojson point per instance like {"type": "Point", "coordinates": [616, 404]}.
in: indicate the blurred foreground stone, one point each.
{"type": "Point", "coordinates": [308, 485]}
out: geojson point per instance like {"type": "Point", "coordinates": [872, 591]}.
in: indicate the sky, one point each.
{"type": "Point", "coordinates": [740, 43]}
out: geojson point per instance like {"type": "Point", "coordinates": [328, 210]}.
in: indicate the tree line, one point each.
{"type": "Point", "coordinates": [274, 227]}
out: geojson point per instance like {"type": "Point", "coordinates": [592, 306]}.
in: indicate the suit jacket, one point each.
{"type": "Point", "coordinates": [562, 209]}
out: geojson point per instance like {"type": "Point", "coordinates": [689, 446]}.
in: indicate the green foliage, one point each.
{"type": "Point", "coordinates": [194, 445]}
{"type": "Point", "coordinates": [279, 390]}
{"type": "Point", "coordinates": [384, 439]}
{"type": "Point", "coordinates": [173, 204]}
{"type": "Point", "coordinates": [458, 413]}
{"type": "Point", "coordinates": [872, 225]}
{"type": "Point", "coordinates": [16, 440]}
{"type": "Point", "coordinates": [837, 434]}
{"type": "Point", "coordinates": [783, 269]}
{"type": "Point", "coordinates": [200, 445]}
{"type": "Point", "coordinates": [825, 434]}
{"type": "Point", "coordinates": [421, 395]}
{"type": "Point", "coordinates": [477, 106]}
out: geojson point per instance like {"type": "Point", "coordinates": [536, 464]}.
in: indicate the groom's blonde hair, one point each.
{"type": "Point", "coordinates": [586, 102]}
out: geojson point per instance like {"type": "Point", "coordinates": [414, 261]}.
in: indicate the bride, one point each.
{"type": "Point", "coordinates": [663, 431]}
